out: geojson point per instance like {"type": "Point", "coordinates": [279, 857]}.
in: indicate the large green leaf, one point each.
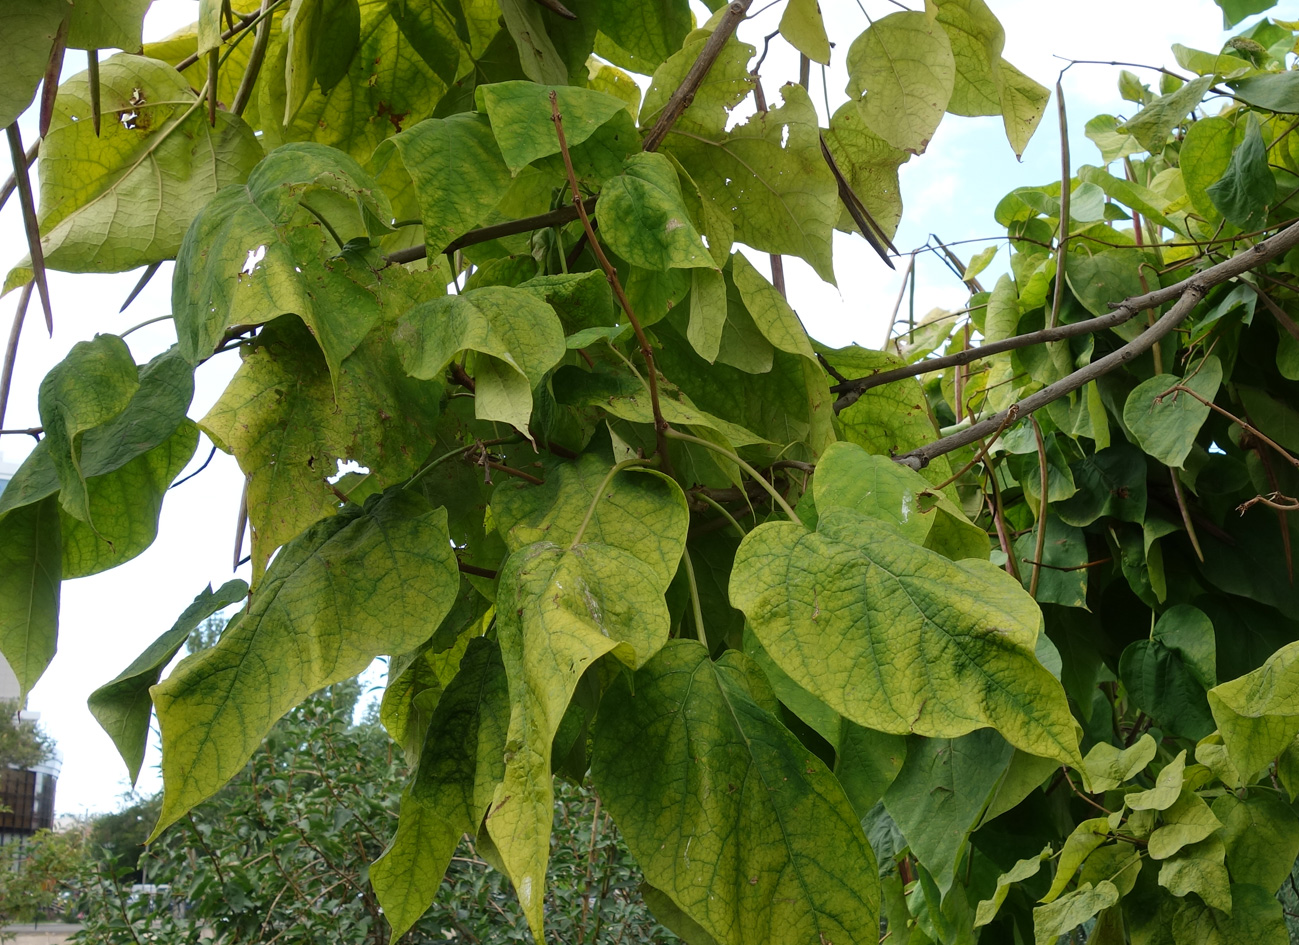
{"type": "Point", "coordinates": [456, 169]}
{"type": "Point", "coordinates": [125, 196]}
{"type": "Point", "coordinates": [122, 706]}
{"type": "Point", "coordinates": [1205, 155]}
{"type": "Point", "coordinates": [1256, 917]}
{"type": "Point", "coordinates": [322, 36]}
{"type": "Point", "coordinates": [289, 425]}
{"type": "Point", "coordinates": [643, 217]}
{"type": "Point", "coordinates": [639, 511]}
{"type": "Point", "coordinates": [385, 84]}
{"type": "Point", "coordinates": [1273, 91]}
{"type": "Point", "coordinates": [560, 608]}
{"type": "Point", "coordinates": [364, 582]}
{"type": "Point", "coordinates": [1246, 189]}
{"type": "Point", "coordinates": [520, 115]}
{"type": "Point", "coordinates": [879, 488]}
{"type": "Point", "coordinates": [694, 769]}
{"type": "Point", "coordinates": [1258, 714]}
{"type": "Point", "coordinates": [515, 336]}
{"type": "Point", "coordinates": [1152, 124]}
{"type": "Point", "coordinates": [87, 389]}
{"type": "Point", "coordinates": [977, 39]}
{"type": "Point", "coordinates": [30, 573]}
{"type": "Point", "coordinates": [459, 767]}
{"type": "Point", "coordinates": [941, 793]}
{"type": "Point", "coordinates": [904, 65]}
{"type": "Point", "coordinates": [644, 32]}
{"type": "Point", "coordinates": [898, 638]}
{"type": "Point", "coordinates": [106, 24]}
{"type": "Point", "coordinates": [260, 250]}
{"type": "Point", "coordinates": [1111, 481]}
{"type": "Point", "coordinates": [29, 27]}
{"type": "Point", "coordinates": [1166, 424]}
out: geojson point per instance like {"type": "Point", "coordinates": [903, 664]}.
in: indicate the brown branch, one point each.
{"type": "Point", "coordinates": [660, 425]}
{"type": "Point", "coordinates": [680, 99]}
{"type": "Point", "coordinates": [476, 571]}
{"type": "Point", "coordinates": [34, 432]}
{"type": "Point", "coordinates": [511, 471]}
{"type": "Point", "coordinates": [983, 451]}
{"type": "Point", "coordinates": [1192, 291]}
{"type": "Point", "coordinates": [1277, 311]}
{"type": "Point", "coordinates": [1228, 269]}
{"type": "Point", "coordinates": [28, 203]}
{"type": "Point", "coordinates": [245, 20]}
{"type": "Point", "coordinates": [1076, 567]}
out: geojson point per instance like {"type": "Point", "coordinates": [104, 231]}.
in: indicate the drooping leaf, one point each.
{"type": "Point", "coordinates": [1255, 917]}
{"type": "Point", "coordinates": [1233, 11]}
{"type": "Point", "coordinates": [692, 766]}
{"type": "Point", "coordinates": [87, 389]}
{"type": "Point", "coordinates": [520, 116]}
{"type": "Point", "coordinates": [977, 39]}
{"type": "Point", "coordinates": [969, 659]}
{"type": "Point", "coordinates": [1189, 820]}
{"type": "Point", "coordinates": [1272, 91]}
{"type": "Point", "coordinates": [1163, 685]}
{"type": "Point", "coordinates": [155, 162]}
{"type": "Point", "coordinates": [1078, 846]}
{"type": "Point", "coordinates": [802, 25]}
{"type": "Point", "coordinates": [870, 165]}
{"type": "Point", "coordinates": [1107, 767]}
{"type": "Point", "coordinates": [941, 792]}
{"type": "Point", "coordinates": [540, 60]}
{"type": "Point", "coordinates": [1152, 124]}
{"type": "Point", "coordinates": [1068, 912]}
{"type": "Point", "coordinates": [30, 574]}
{"type": "Point", "coordinates": [322, 36]}
{"type": "Point", "coordinates": [1261, 833]}
{"type": "Point", "coordinates": [904, 65]}
{"type": "Point", "coordinates": [645, 32]}
{"type": "Point", "coordinates": [516, 338]}
{"type": "Point", "coordinates": [459, 767]}
{"type": "Point", "coordinates": [456, 170]}
{"type": "Point", "coordinates": [289, 425]}
{"type": "Point", "coordinates": [1099, 279]}
{"type": "Point", "coordinates": [1246, 189]}
{"type": "Point", "coordinates": [1023, 100]}
{"type": "Point", "coordinates": [1166, 422]}
{"type": "Point", "coordinates": [122, 706]}
{"type": "Point", "coordinates": [260, 250]}
{"type": "Point", "coordinates": [644, 220]}
{"type": "Point", "coordinates": [766, 174]}
{"type": "Point", "coordinates": [364, 582]}
{"type": "Point", "coordinates": [107, 24]}
{"type": "Point", "coordinates": [1199, 869]}
{"type": "Point", "coordinates": [1023, 869]}
{"type": "Point", "coordinates": [1167, 789]}
{"type": "Point", "coordinates": [560, 608]}
{"type": "Point", "coordinates": [1111, 481]}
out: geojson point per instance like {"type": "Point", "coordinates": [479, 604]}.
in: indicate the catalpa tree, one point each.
{"type": "Point", "coordinates": [1000, 652]}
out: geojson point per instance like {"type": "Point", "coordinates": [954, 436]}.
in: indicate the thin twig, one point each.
{"type": "Point", "coordinates": [1066, 176]}
{"type": "Point", "coordinates": [1041, 509]}
{"type": "Point", "coordinates": [1186, 514]}
{"type": "Point", "coordinates": [1244, 424]}
{"type": "Point", "coordinates": [684, 94]}
{"type": "Point", "coordinates": [261, 39]}
{"type": "Point", "coordinates": [33, 228]}
{"type": "Point", "coordinates": [1057, 567]}
{"type": "Point", "coordinates": [1192, 291]}
{"type": "Point", "coordinates": [907, 275]}
{"type": "Point", "coordinates": [11, 349]}
{"type": "Point", "coordinates": [983, 451]}
{"type": "Point", "coordinates": [565, 214]}
{"type": "Point", "coordinates": [660, 425]}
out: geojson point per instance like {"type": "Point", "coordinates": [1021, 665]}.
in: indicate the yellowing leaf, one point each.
{"type": "Point", "coordinates": [692, 767]}
{"type": "Point", "coordinates": [838, 607]}
{"type": "Point", "coordinates": [1258, 714]}
{"type": "Point", "coordinates": [904, 65]}
{"type": "Point", "coordinates": [1107, 767]}
{"type": "Point", "coordinates": [364, 582]}
{"type": "Point", "coordinates": [644, 220]}
{"type": "Point", "coordinates": [802, 25]}
{"type": "Point", "coordinates": [977, 40]}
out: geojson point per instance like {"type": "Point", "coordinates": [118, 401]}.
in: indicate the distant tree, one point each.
{"type": "Point", "coordinates": [44, 883]}
{"type": "Point", "coordinates": [23, 744]}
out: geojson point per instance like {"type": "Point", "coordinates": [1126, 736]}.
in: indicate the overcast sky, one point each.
{"type": "Point", "coordinates": [106, 620]}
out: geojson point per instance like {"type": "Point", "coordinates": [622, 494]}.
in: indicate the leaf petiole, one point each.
{"type": "Point", "coordinates": [595, 500]}
{"type": "Point", "coordinates": [771, 490]}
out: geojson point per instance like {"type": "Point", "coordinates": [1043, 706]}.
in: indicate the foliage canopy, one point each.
{"type": "Point", "coordinates": [1004, 652]}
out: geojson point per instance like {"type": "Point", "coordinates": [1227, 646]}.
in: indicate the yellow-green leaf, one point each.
{"type": "Point", "coordinates": [364, 582]}
{"type": "Point", "coordinates": [802, 25]}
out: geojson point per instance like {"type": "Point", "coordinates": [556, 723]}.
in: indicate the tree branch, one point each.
{"type": "Point", "coordinates": [685, 93]}
{"type": "Point", "coordinates": [1242, 262]}
{"type": "Point", "coordinates": [565, 214]}
{"type": "Point", "coordinates": [1192, 292]}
